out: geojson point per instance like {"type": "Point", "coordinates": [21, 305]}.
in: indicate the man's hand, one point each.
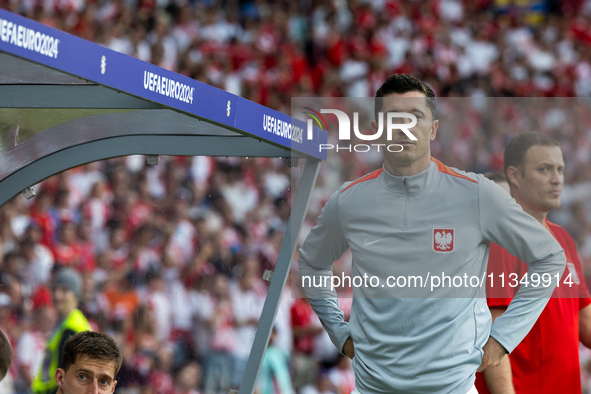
{"type": "Point", "coordinates": [348, 348]}
{"type": "Point", "coordinates": [493, 354]}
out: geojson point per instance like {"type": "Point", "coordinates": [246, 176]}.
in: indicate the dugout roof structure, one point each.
{"type": "Point", "coordinates": [65, 102]}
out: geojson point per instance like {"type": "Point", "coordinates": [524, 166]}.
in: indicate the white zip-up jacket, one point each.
{"type": "Point", "coordinates": [439, 222]}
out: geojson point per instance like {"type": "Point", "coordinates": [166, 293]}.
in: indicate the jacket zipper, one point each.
{"type": "Point", "coordinates": [405, 227]}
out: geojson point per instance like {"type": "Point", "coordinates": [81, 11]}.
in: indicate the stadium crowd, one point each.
{"type": "Point", "coordinates": [172, 255]}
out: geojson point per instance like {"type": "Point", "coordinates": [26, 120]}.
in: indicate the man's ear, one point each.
{"type": "Point", "coordinates": [513, 176]}
{"type": "Point", "coordinates": [374, 128]}
{"type": "Point", "coordinates": [113, 389]}
{"type": "Point", "coordinates": [60, 376]}
{"type": "Point", "coordinates": [374, 125]}
{"type": "Point", "coordinates": [434, 127]}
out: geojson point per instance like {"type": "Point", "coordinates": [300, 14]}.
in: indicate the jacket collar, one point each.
{"type": "Point", "coordinates": [411, 184]}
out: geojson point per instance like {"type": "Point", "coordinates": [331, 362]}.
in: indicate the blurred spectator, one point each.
{"type": "Point", "coordinates": [96, 210]}
{"type": "Point", "coordinates": [41, 217]}
{"type": "Point", "coordinates": [188, 379]}
{"type": "Point", "coordinates": [142, 208]}
{"type": "Point", "coordinates": [67, 291]}
{"type": "Point", "coordinates": [322, 385]}
{"type": "Point", "coordinates": [62, 211]}
{"type": "Point", "coordinates": [181, 311]}
{"type": "Point", "coordinates": [65, 250]}
{"type": "Point", "coordinates": [122, 297]}
{"type": "Point", "coordinates": [202, 309]}
{"type": "Point", "coordinates": [38, 259]}
{"type": "Point", "coordinates": [81, 180]}
{"type": "Point", "coordinates": [342, 376]}
{"type": "Point", "coordinates": [247, 304]}
{"type": "Point", "coordinates": [160, 304]}
{"type": "Point", "coordinates": [31, 344]}
{"type": "Point", "coordinates": [86, 246]}
{"type": "Point", "coordinates": [160, 378]}
{"type": "Point", "coordinates": [304, 332]}
{"type": "Point", "coordinates": [143, 256]}
{"type": "Point", "coordinates": [218, 370]}
{"type": "Point", "coordinates": [117, 252]}
{"type": "Point", "coordinates": [275, 377]}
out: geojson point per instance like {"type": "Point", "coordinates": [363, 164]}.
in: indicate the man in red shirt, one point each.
{"type": "Point", "coordinates": [547, 360]}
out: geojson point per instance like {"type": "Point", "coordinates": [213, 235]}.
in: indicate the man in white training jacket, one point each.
{"type": "Point", "coordinates": [417, 217]}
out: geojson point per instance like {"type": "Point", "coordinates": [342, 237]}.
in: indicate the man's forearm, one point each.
{"type": "Point", "coordinates": [332, 319]}
{"type": "Point", "coordinates": [325, 304]}
{"type": "Point", "coordinates": [529, 302]}
{"type": "Point", "coordinates": [323, 246]}
{"type": "Point", "coordinates": [499, 379]}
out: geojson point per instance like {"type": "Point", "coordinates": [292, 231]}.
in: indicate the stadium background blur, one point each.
{"type": "Point", "coordinates": [172, 255]}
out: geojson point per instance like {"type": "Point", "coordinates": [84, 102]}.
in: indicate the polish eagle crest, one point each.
{"type": "Point", "coordinates": [443, 240]}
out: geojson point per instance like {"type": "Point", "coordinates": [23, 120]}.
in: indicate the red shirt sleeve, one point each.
{"type": "Point", "coordinates": [584, 297]}
{"type": "Point", "coordinates": [573, 264]}
{"type": "Point", "coordinates": [584, 301]}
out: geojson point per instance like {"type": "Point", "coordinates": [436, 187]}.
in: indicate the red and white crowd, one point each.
{"type": "Point", "coordinates": [172, 255]}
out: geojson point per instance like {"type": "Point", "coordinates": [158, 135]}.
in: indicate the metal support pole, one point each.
{"type": "Point", "coordinates": [294, 226]}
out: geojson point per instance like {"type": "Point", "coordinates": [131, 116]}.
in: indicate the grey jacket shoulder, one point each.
{"type": "Point", "coordinates": [472, 175]}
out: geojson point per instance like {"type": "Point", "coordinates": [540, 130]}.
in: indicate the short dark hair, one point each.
{"type": "Point", "coordinates": [402, 83]}
{"type": "Point", "coordinates": [496, 177]}
{"type": "Point", "coordinates": [94, 345]}
{"type": "Point", "coordinates": [518, 146]}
